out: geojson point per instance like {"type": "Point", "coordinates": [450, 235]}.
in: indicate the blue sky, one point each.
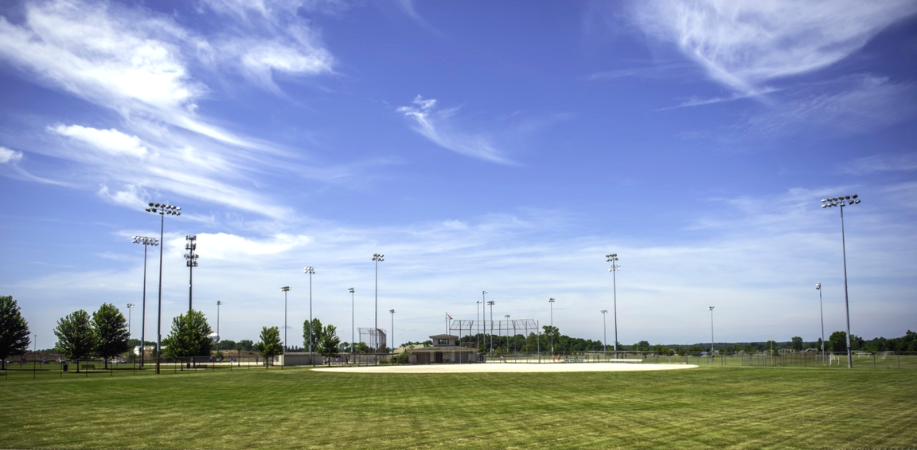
{"type": "Point", "coordinates": [501, 146]}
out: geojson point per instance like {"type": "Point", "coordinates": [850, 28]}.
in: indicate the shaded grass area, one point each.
{"type": "Point", "coordinates": [700, 408]}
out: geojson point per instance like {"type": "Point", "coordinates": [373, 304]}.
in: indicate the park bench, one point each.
{"type": "Point", "coordinates": [88, 366]}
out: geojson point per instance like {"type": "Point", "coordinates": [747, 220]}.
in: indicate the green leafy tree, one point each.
{"type": "Point", "coordinates": [270, 345]}
{"type": "Point", "coordinates": [245, 344]}
{"type": "Point", "coordinates": [317, 331]}
{"type": "Point", "coordinates": [642, 346]}
{"type": "Point", "coordinates": [797, 343]}
{"type": "Point", "coordinates": [75, 338]}
{"type": "Point", "coordinates": [190, 336]}
{"type": "Point", "coordinates": [328, 345]}
{"type": "Point", "coordinates": [14, 330]}
{"type": "Point", "coordinates": [837, 342]}
{"type": "Point", "coordinates": [227, 344]}
{"type": "Point", "coordinates": [110, 330]}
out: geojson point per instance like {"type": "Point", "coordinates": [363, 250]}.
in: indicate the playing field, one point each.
{"type": "Point", "coordinates": [706, 407]}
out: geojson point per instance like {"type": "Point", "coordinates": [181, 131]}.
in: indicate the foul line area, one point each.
{"type": "Point", "coordinates": [508, 368]}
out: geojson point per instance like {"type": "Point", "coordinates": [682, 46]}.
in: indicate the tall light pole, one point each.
{"type": "Point", "coordinates": [311, 271]}
{"type": "Point", "coordinates": [604, 333]}
{"type": "Point", "coordinates": [377, 258]}
{"type": "Point", "coordinates": [507, 332]}
{"type": "Point", "coordinates": [477, 339]}
{"type": "Point", "coordinates": [711, 332]}
{"type": "Point", "coordinates": [219, 337]}
{"type": "Point", "coordinates": [353, 324]}
{"type": "Point", "coordinates": [191, 246]}
{"type": "Point", "coordinates": [822, 310]}
{"type": "Point", "coordinates": [285, 289]}
{"type": "Point", "coordinates": [392, 312]}
{"type": "Point", "coordinates": [484, 316]}
{"type": "Point", "coordinates": [146, 243]}
{"type": "Point", "coordinates": [551, 301]}
{"type": "Point", "coordinates": [841, 202]}
{"type": "Point", "coordinates": [613, 259]}
{"type": "Point", "coordinates": [491, 303]}
{"type": "Point", "coordinates": [162, 209]}
{"type": "Point", "coordinates": [130, 320]}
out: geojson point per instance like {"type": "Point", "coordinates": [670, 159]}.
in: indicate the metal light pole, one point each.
{"type": "Point", "coordinates": [191, 246]}
{"type": "Point", "coordinates": [613, 259]}
{"type": "Point", "coordinates": [162, 209]}
{"type": "Point", "coordinates": [285, 289]}
{"type": "Point", "coordinates": [146, 243]}
{"type": "Point", "coordinates": [822, 309]}
{"type": "Point", "coordinates": [843, 201]}
{"type": "Point", "coordinates": [353, 322]}
{"type": "Point", "coordinates": [219, 337]}
{"type": "Point", "coordinates": [507, 332]}
{"type": "Point", "coordinates": [604, 333]}
{"type": "Point", "coordinates": [484, 316]}
{"type": "Point", "coordinates": [130, 320]}
{"type": "Point", "coordinates": [711, 332]}
{"type": "Point", "coordinates": [392, 311]}
{"type": "Point", "coordinates": [311, 271]}
{"type": "Point", "coordinates": [477, 316]}
{"type": "Point", "coordinates": [377, 258]}
{"type": "Point", "coordinates": [491, 303]}
{"type": "Point", "coordinates": [551, 301]}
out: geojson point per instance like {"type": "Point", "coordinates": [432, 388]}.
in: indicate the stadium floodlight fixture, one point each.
{"type": "Point", "coordinates": [841, 202]}
{"type": "Point", "coordinates": [613, 259]}
{"type": "Point", "coordinates": [309, 270]}
{"type": "Point", "coordinates": [163, 210]}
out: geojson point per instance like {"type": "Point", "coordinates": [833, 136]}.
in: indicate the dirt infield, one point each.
{"type": "Point", "coordinates": [509, 367]}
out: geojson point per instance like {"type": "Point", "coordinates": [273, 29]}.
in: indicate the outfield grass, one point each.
{"type": "Point", "coordinates": [711, 407]}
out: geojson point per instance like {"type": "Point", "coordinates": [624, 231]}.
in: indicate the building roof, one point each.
{"type": "Point", "coordinates": [444, 336]}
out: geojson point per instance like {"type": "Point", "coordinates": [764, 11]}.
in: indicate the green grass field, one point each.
{"type": "Point", "coordinates": [708, 407]}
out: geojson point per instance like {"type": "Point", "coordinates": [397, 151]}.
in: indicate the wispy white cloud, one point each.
{"type": "Point", "coordinates": [109, 141]}
{"type": "Point", "coordinates": [271, 38]}
{"type": "Point", "coordinates": [142, 65]}
{"type": "Point", "coordinates": [745, 44]}
{"type": "Point", "coordinates": [9, 156]}
{"type": "Point", "coordinates": [906, 162]}
{"type": "Point", "coordinates": [131, 196]}
{"type": "Point", "coordinates": [715, 100]}
{"type": "Point", "coordinates": [438, 126]}
{"type": "Point", "coordinates": [408, 7]}
{"type": "Point", "coordinates": [857, 104]}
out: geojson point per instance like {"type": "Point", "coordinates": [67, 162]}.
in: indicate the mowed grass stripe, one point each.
{"type": "Point", "coordinates": [702, 408]}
